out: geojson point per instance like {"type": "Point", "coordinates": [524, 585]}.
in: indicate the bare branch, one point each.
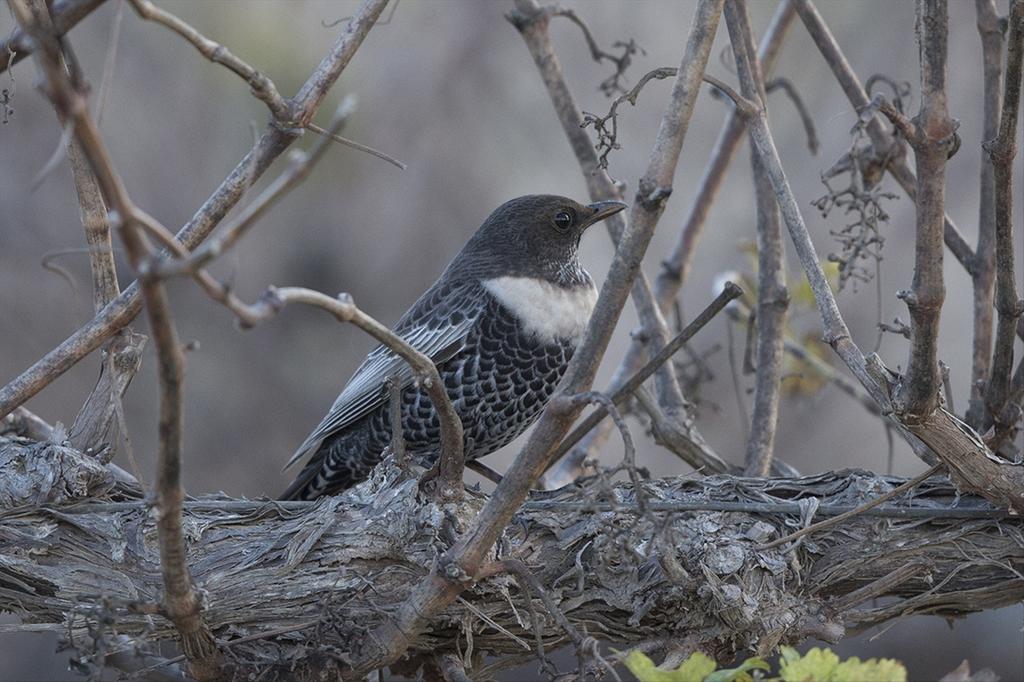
{"type": "Point", "coordinates": [98, 421]}
{"type": "Point", "coordinates": [1002, 151]}
{"type": "Point", "coordinates": [182, 603]}
{"type": "Point", "coordinates": [65, 16]}
{"type": "Point", "coordinates": [676, 267]}
{"type": "Point", "coordinates": [357, 145]}
{"type": "Point", "coordinates": [791, 92]}
{"type": "Point", "coordinates": [97, 230]}
{"type": "Point", "coordinates": [918, 394]}
{"type": "Point", "coordinates": [984, 275]}
{"type": "Point", "coordinates": [969, 461]}
{"type": "Point", "coordinates": [772, 297]}
{"type": "Point", "coordinates": [613, 83]}
{"type": "Point", "coordinates": [819, 366]}
{"type": "Point", "coordinates": [122, 356]}
{"type": "Point", "coordinates": [836, 332]}
{"type": "Point", "coordinates": [608, 139]}
{"type": "Point", "coordinates": [122, 310]}
{"type": "Point", "coordinates": [299, 167]}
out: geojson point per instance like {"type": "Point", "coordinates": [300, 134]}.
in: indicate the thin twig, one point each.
{"type": "Point", "coordinates": [356, 145]}
{"type": "Point", "coordinates": [828, 523]}
{"type": "Point", "coordinates": [262, 87]}
{"type": "Point", "coordinates": [299, 167]}
{"type": "Point", "coordinates": [529, 583]}
{"type": "Point", "coordinates": [451, 461]}
{"type": "Point", "coordinates": [65, 15]}
{"type": "Point", "coordinates": [608, 139]}
{"type": "Point", "coordinates": [611, 84]}
{"type": "Point", "coordinates": [628, 447]}
{"type": "Point", "coordinates": [110, 62]}
{"type": "Point", "coordinates": [622, 393]}
{"type": "Point", "coordinates": [787, 87]}
{"type": "Point", "coordinates": [795, 348]}
{"type": "Point", "coordinates": [484, 470]}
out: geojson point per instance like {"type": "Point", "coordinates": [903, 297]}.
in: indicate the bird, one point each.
{"type": "Point", "coordinates": [501, 324]}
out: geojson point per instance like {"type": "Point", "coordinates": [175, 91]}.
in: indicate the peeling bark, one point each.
{"type": "Point", "coordinates": [314, 578]}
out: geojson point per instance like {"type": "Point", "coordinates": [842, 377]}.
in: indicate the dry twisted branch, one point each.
{"type": "Point", "coordinates": [296, 586]}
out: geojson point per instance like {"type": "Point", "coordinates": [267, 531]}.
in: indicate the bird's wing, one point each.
{"type": "Point", "coordinates": [436, 325]}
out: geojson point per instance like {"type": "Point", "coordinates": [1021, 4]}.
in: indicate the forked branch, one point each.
{"type": "Point", "coordinates": [271, 144]}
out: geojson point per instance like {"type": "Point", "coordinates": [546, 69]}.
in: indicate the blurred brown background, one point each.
{"type": "Point", "coordinates": [448, 88]}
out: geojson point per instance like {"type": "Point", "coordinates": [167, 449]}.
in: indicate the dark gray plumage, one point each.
{"type": "Point", "coordinates": [501, 323]}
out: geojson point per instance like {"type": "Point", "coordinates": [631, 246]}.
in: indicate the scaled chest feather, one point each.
{"type": "Point", "coordinates": [550, 311]}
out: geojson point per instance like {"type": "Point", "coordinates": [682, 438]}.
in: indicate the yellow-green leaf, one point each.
{"type": "Point", "coordinates": [694, 669]}
{"type": "Point", "coordinates": [817, 665]}
{"type": "Point", "coordinates": [871, 670]}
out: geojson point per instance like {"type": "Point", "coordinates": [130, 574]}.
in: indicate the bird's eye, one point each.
{"type": "Point", "coordinates": [563, 220]}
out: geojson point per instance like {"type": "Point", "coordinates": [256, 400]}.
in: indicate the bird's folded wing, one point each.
{"type": "Point", "coordinates": [437, 326]}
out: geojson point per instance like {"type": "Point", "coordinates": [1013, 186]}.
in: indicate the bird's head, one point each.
{"type": "Point", "coordinates": [536, 235]}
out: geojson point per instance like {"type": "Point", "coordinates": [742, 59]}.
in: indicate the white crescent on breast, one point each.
{"type": "Point", "coordinates": [546, 309]}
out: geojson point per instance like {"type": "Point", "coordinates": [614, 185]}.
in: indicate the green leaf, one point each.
{"type": "Point", "coordinates": [821, 665]}
{"type": "Point", "coordinates": [694, 669]}
{"type": "Point", "coordinates": [871, 670]}
{"type": "Point", "coordinates": [740, 673]}
{"type": "Point", "coordinates": [817, 665]}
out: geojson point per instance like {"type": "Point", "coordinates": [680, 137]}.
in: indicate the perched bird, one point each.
{"type": "Point", "coordinates": [501, 324]}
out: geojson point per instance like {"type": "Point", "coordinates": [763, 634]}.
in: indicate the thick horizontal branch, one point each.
{"type": "Point", "coordinates": [302, 579]}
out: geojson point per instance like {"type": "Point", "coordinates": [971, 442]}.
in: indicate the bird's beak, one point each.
{"type": "Point", "coordinates": [603, 209]}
